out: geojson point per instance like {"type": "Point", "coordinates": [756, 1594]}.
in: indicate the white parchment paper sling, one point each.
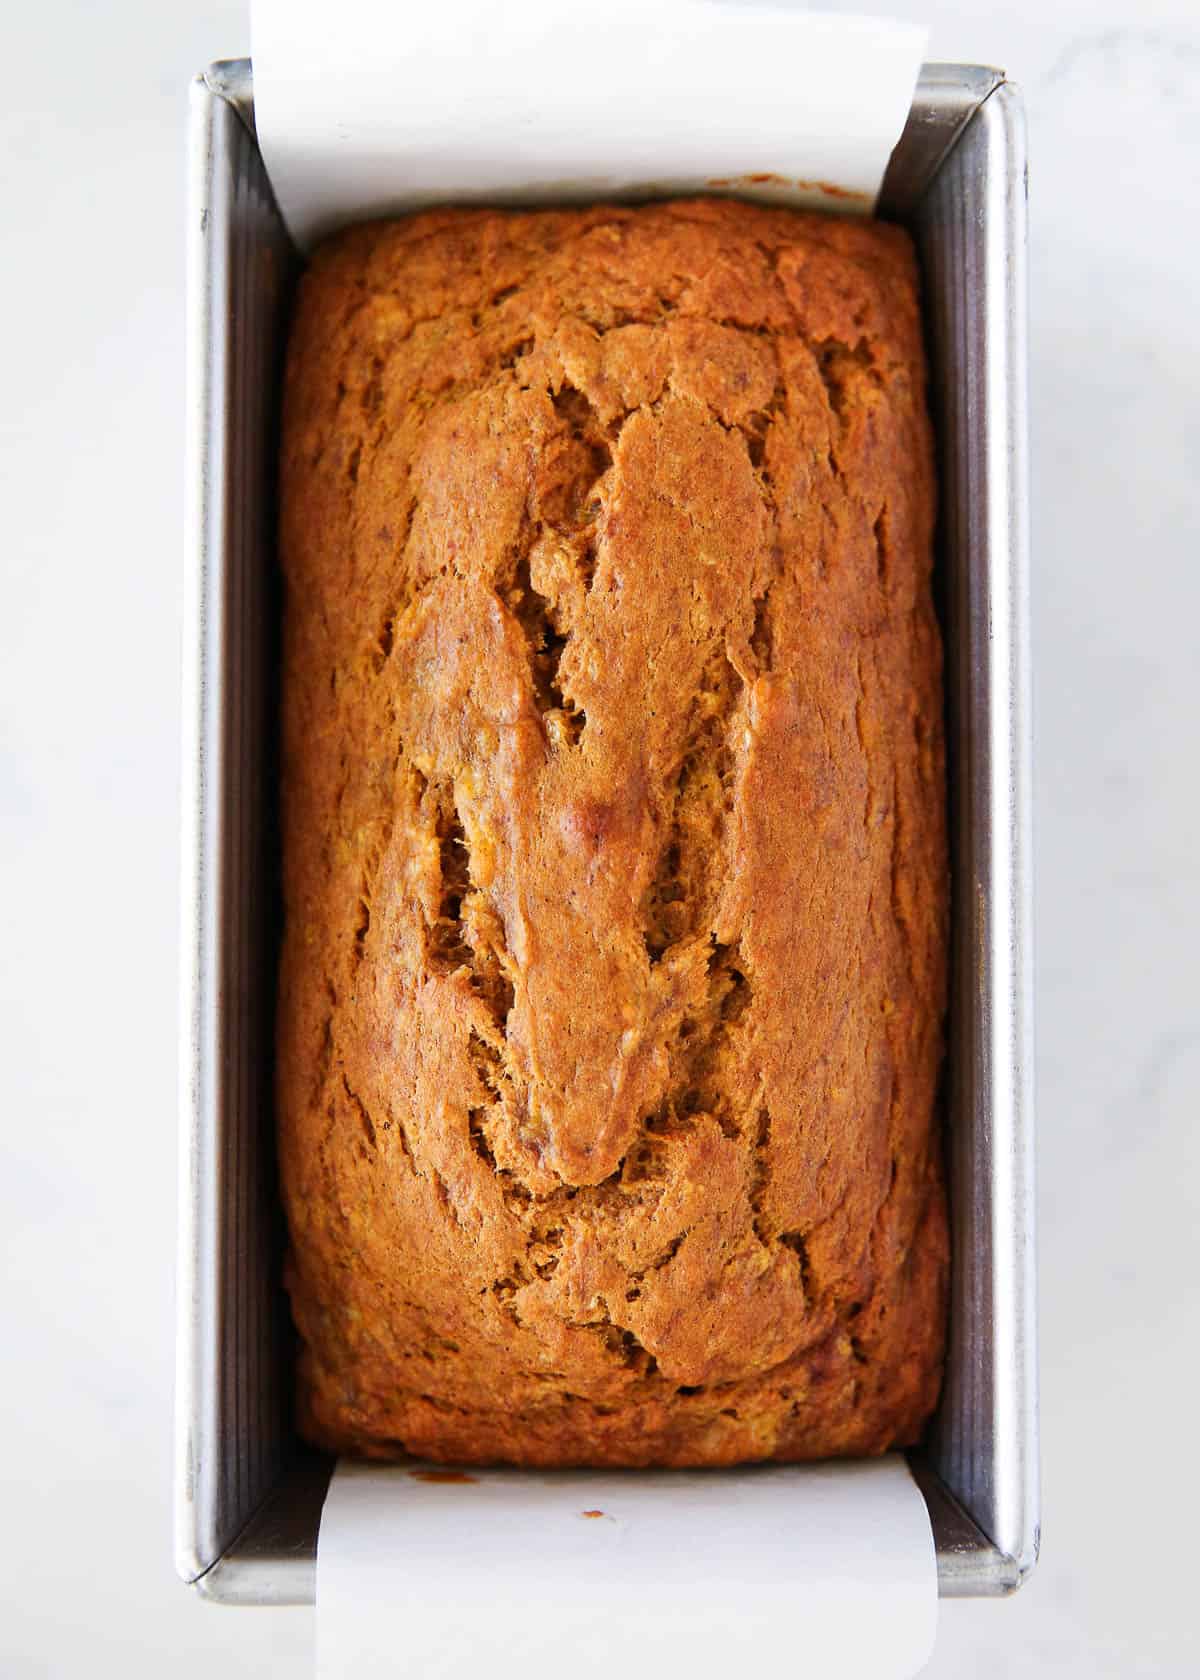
{"type": "Point", "coordinates": [823, 1570]}
{"type": "Point", "coordinates": [366, 108]}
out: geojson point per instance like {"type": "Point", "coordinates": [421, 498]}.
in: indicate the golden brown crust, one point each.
{"type": "Point", "coordinates": [615, 873]}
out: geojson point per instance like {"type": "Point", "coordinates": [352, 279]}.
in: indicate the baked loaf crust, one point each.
{"type": "Point", "coordinates": [614, 863]}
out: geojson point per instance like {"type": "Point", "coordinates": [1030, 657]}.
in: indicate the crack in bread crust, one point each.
{"type": "Point", "coordinates": [615, 876]}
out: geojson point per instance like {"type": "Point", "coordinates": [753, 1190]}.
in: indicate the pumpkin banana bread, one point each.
{"type": "Point", "coordinates": [615, 874]}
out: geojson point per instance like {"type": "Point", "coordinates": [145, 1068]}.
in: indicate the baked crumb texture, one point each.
{"type": "Point", "coordinates": [615, 877]}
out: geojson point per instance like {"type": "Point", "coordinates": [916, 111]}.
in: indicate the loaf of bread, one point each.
{"type": "Point", "coordinates": [615, 877]}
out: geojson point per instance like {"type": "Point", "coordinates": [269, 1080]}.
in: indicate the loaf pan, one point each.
{"type": "Point", "coordinates": [248, 1496]}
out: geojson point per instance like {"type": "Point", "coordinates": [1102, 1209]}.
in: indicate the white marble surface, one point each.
{"type": "Point", "coordinates": [91, 286]}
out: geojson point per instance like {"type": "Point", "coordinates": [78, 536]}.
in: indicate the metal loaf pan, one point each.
{"type": "Point", "coordinates": [248, 1497]}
